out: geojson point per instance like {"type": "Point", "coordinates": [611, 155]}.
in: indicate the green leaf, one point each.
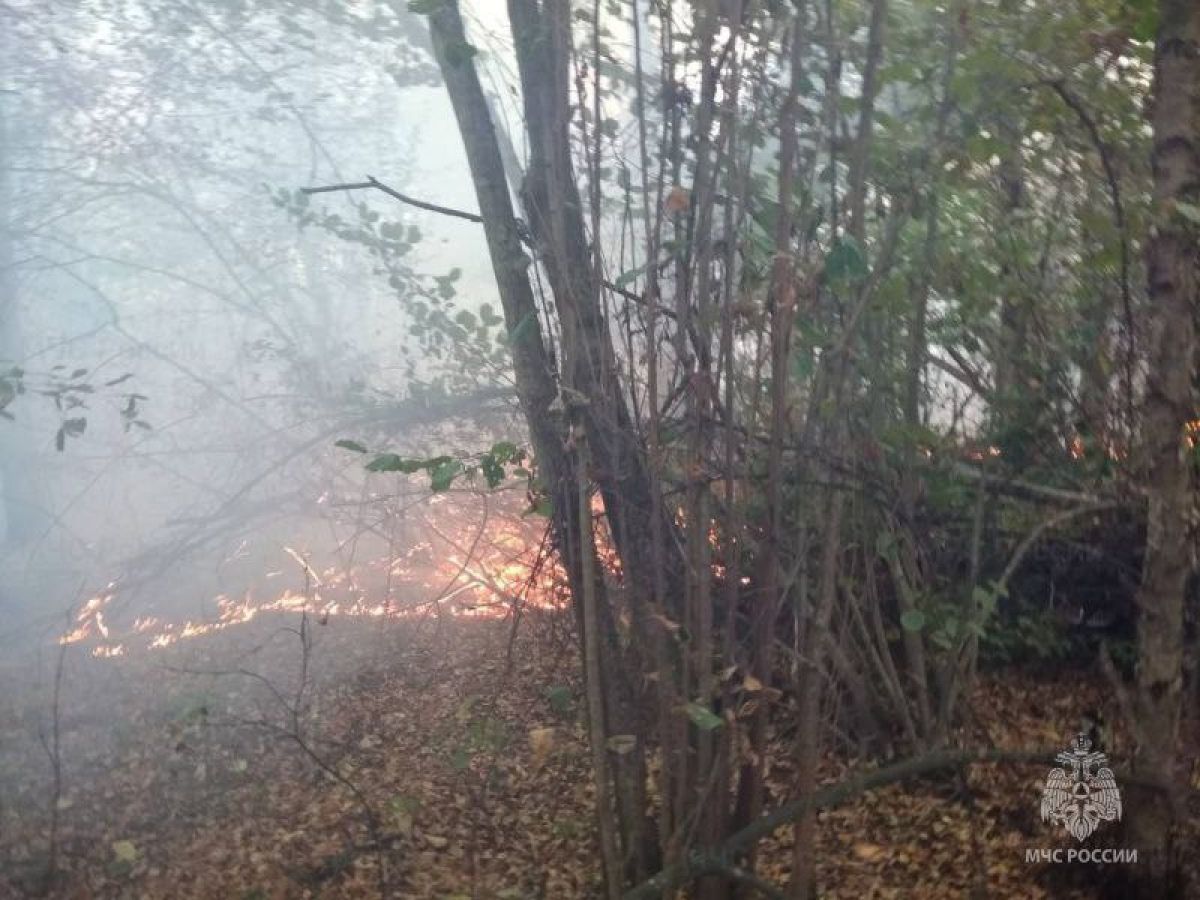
{"type": "Point", "coordinates": [1145, 25]}
{"type": "Point", "coordinates": [442, 475]}
{"type": "Point", "coordinates": [505, 451]}
{"type": "Point", "coordinates": [125, 851]}
{"type": "Point", "coordinates": [1189, 211]}
{"type": "Point", "coordinates": [628, 277]}
{"type": "Point", "coordinates": [347, 444]}
{"type": "Point", "coordinates": [985, 601]}
{"type": "Point", "coordinates": [391, 462]}
{"type": "Point", "coordinates": [846, 261]}
{"type": "Point", "coordinates": [912, 620]}
{"type": "Point", "coordinates": [488, 315]}
{"type": "Point", "coordinates": [492, 470]}
{"type": "Point", "coordinates": [542, 507]}
{"type": "Point", "coordinates": [403, 808]}
{"type": "Point", "coordinates": [459, 53]}
{"type": "Point", "coordinates": [885, 544]}
{"type": "Point", "coordinates": [702, 717]}
{"type": "Point", "coordinates": [560, 698]}
{"type": "Point", "coordinates": [524, 327]}
{"type": "Point", "coordinates": [385, 462]}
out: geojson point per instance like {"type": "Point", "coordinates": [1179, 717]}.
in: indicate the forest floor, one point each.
{"type": "Point", "coordinates": [439, 758]}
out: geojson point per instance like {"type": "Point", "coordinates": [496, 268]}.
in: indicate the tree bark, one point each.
{"type": "Point", "coordinates": [592, 390]}
{"type": "Point", "coordinates": [535, 375]}
{"type": "Point", "coordinates": [542, 40]}
{"type": "Point", "coordinates": [783, 310]}
{"type": "Point", "coordinates": [1173, 258]}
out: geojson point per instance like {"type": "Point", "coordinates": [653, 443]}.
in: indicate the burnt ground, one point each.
{"type": "Point", "coordinates": [436, 757]}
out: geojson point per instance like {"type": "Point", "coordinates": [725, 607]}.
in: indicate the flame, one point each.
{"type": "Point", "coordinates": [90, 616]}
{"type": "Point", "coordinates": [456, 566]}
{"type": "Point", "coordinates": [977, 454]}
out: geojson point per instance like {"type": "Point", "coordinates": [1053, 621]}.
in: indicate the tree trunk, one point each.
{"type": "Point", "coordinates": [542, 39]}
{"type": "Point", "coordinates": [534, 371]}
{"type": "Point", "coordinates": [1172, 257]}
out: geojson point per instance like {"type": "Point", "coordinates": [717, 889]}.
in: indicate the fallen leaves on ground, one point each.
{"type": "Point", "coordinates": [442, 759]}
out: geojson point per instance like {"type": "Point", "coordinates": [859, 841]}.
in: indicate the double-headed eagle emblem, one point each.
{"type": "Point", "coordinates": [1086, 795]}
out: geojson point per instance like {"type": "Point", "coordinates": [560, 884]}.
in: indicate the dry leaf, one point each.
{"type": "Point", "coordinates": [677, 200]}
{"type": "Point", "coordinates": [621, 744]}
{"type": "Point", "coordinates": [542, 742]}
{"type": "Point", "coordinates": [868, 852]}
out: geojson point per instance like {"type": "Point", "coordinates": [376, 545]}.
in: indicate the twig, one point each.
{"type": "Point", "coordinates": [375, 183]}
{"type": "Point", "coordinates": [372, 182]}
{"type": "Point", "coordinates": [1032, 538]}
{"type": "Point", "coordinates": [53, 750]}
{"type": "Point", "coordinates": [1114, 188]}
{"type": "Point", "coordinates": [294, 710]}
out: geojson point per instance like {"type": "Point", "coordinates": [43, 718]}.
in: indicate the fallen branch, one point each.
{"type": "Point", "coordinates": [1035, 535]}
{"type": "Point", "coordinates": [1026, 490]}
{"type": "Point", "coordinates": [723, 860]}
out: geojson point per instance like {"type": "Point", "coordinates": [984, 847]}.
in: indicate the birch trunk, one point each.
{"type": "Point", "coordinates": [1173, 257]}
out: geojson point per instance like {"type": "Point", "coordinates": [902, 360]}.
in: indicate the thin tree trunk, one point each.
{"type": "Point", "coordinates": [672, 744]}
{"type": "Point", "coordinates": [783, 310]}
{"type": "Point", "coordinates": [610, 859]}
{"type": "Point", "coordinates": [914, 644]}
{"type": "Point", "coordinates": [808, 745]}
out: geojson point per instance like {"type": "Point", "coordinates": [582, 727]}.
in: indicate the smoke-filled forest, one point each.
{"type": "Point", "coordinates": [599, 449]}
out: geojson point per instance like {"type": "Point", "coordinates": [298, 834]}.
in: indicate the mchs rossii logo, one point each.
{"type": "Point", "coordinates": [1083, 792]}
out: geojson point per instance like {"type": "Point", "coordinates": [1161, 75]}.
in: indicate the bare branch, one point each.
{"type": "Point", "coordinates": [372, 182]}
